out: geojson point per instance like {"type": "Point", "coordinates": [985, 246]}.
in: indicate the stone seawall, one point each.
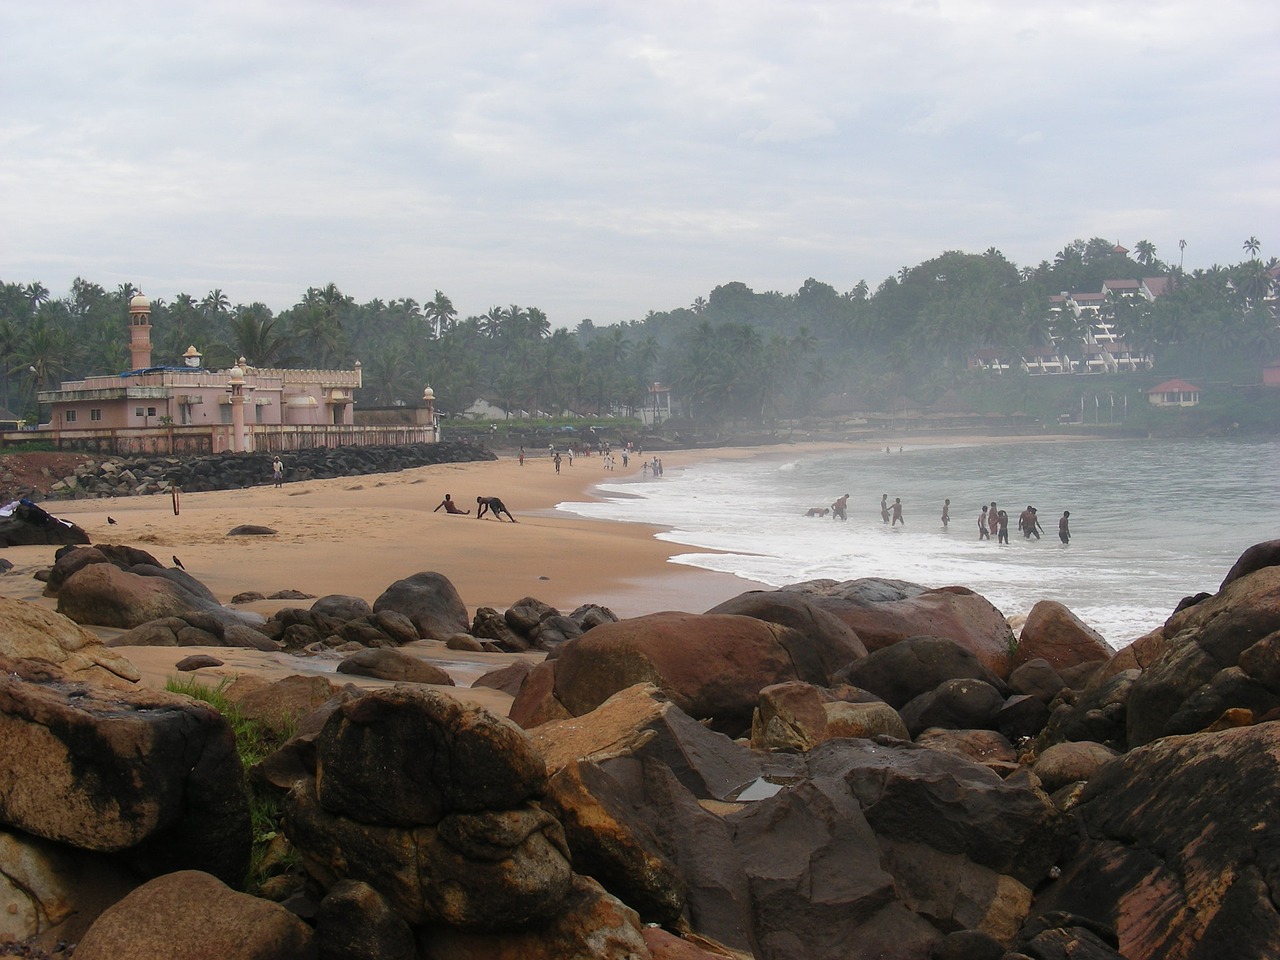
{"type": "Point", "coordinates": [136, 476]}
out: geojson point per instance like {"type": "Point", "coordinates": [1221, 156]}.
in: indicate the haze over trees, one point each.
{"type": "Point", "coordinates": [735, 353]}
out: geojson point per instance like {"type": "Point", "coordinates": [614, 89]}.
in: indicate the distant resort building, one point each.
{"type": "Point", "coordinates": [1174, 393]}
{"type": "Point", "coordinates": [1100, 350]}
{"type": "Point", "coordinates": [189, 409]}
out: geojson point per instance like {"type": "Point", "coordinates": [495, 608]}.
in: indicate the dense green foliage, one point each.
{"type": "Point", "coordinates": [736, 354]}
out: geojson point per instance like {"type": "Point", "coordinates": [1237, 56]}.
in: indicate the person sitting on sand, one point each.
{"type": "Point", "coordinates": [495, 506]}
{"type": "Point", "coordinates": [450, 506]}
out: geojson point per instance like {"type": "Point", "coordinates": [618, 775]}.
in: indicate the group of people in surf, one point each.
{"type": "Point", "coordinates": [994, 521]}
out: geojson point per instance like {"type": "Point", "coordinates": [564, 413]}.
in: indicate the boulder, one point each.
{"type": "Point", "coordinates": [192, 915]}
{"type": "Point", "coordinates": [590, 925]}
{"type": "Point", "coordinates": [1265, 554]}
{"type": "Point", "coordinates": [355, 922]}
{"type": "Point", "coordinates": [955, 705]}
{"type": "Point", "coordinates": [105, 595]}
{"type": "Point", "coordinates": [882, 612]}
{"type": "Point", "coordinates": [1175, 853]}
{"type": "Point", "coordinates": [30, 525]}
{"type": "Point", "coordinates": [987, 747]}
{"type": "Point", "coordinates": [35, 632]}
{"type": "Point", "coordinates": [342, 607]}
{"type": "Point", "coordinates": [712, 665]}
{"type": "Point", "coordinates": [280, 706]}
{"type": "Point", "coordinates": [526, 613]}
{"type": "Point", "coordinates": [491, 625]}
{"type": "Point", "coordinates": [430, 601]}
{"type": "Point", "coordinates": [1055, 634]}
{"type": "Point", "coordinates": [799, 716]}
{"type": "Point", "coordinates": [387, 664]}
{"type": "Point", "coordinates": [828, 640]}
{"type": "Point", "coordinates": [251, 530]}
{"type": "Point", "coordinates": [1070, 762]}
{"type": "Point", "coordinates": [535, 702]}
{"type": "Point", "coordinates": [1099, 713]}
{"type": "Point", "coordinates": [446, 757]}
{"type": "Point", "coordinates": [508, 679]}
{"type": "Point", "coordinates": [196, 662]}
{"type": "Point", "coordinates": [149, 775]}
{"type": "Point", "coordinates": [1036, 678]}
{"type": "Point", "coordinates": [903, 671]}
{"type": "Point", "coordinates": [553, 631]}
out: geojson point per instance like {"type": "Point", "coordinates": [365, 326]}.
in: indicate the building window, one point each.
{"type": "Point", "coordinates": [151, 411]}
{"type": "Point", "coordinates": [137, 411]}
{"type": "Point", "coordinates": [95, 414]}
{"type": "Point", "coordinates": [70, 416]}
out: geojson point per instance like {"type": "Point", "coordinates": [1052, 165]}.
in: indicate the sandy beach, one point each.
{"type": "Point", "coordinates": [356, 536]}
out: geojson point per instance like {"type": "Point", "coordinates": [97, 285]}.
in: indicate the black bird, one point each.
{"type": "Point", "coordinates": [111, 520]}
{"type": "Point", "coordinates": [178, 563]}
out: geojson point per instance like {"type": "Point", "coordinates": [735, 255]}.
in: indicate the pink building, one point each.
{"type": "Point", "coordinates": [242, 409]}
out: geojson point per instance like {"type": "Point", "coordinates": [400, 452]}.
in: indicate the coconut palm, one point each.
{"type": "Point", "coordinates": [1144, 251]}
{"type": "Point", "coordinates": [1253, 245]}
{"type": "Point", "coordinates": [257, 336]}
{"type": "Point", "coordinates": [440, 311]}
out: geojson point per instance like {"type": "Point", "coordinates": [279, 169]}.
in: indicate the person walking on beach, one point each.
{"type": "Point", "coordinates": [556, 461]}
{"type": "Point", "coordinates": [522, 456]}
{"type": "Point", "coordinates": [984, 532]}
{"type": "Point", "coordinates": [450, 506]}
{"type": "Point", "coordinates": [277, 472]}
{"type": "Point", "coordinates": [946, 513]}
{"type": "Point", "coordinates": [884, 506]}
{"type": "Point", "coordinates": [1064, 528]}
{"type": "Point", "coordinates": [495, 506]}
{"type": "Point", "coordinates": [1002, 522]}
{"type": "Point", "coordinates": [897, 512]}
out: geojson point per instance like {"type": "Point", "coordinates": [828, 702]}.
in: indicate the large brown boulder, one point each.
{"type": "Point", "coordinates": [192, 915]}
{"type": "Point", "coordinates": [355, 922]}
{"type": "Point", "coordinates": [712, 666]}
{"type": "Point", "coordinates": [149, 775]}
{"type": "Point", "coordinates": [1175, 853]}
{"type": "Point", "coordinates": [31, 525]}
{"type": "Point", "coordinates": [882, 612]}
{"type": "Point", "coordinates": [431, 601]}
{"type": "Point", "coordinates": [35, 632]}
{"type": "Point", "coordinates": [914, 666]}
{"type": "Point", "coordinates": [105, 595]}
{"type": "Point", "coordinates": [829, 644]}
{"type": "Point", "coordinates": [799, 716]}
{"type": "Point", "coordinates": [1055, 634]}
{"type": "Point", "coordinates": [387, 664]}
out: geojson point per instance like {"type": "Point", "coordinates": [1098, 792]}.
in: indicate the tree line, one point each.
{"type": "Point", "coordinates": [734, 354]}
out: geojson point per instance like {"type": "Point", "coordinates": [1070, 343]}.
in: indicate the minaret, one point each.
{"type": "Point", "coordinates": [140, 332]}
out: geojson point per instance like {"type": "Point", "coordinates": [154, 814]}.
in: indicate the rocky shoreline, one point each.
{"type": "Point", "coordinates": [827, 770]}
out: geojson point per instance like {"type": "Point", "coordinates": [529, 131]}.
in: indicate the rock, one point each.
{"type": "Point", "coordinates": [711, 665]}
{"type": "Point", "coordinates": [280, 706]}
{"type": "Point", "coordinates": [1036, 678]}
{"type": "Point", "coordinates": [591, 925]}
{"type": "Point", "coordinates": [1265, 554]}
{"type": "Point", "coordinates": [33, 631]}
{"type": "Point", "coordinates": [396, 626]}
{"type": "Point", "coordinates": [987, 747]}
{"type": "Point", "coordinates": [508, 679]}
{"type": "Point", "coordinates": [829, 640]}
{"type": "Point", "coordinates": [452, 758]}
{"type": "Point", "coordinates": [251, 530]}
{"type": "Point", "coordinates": [150, 775]}
{"type": "Point", "coordinates": [31, 525]}
{"type": "Point", "coordinates": [290, 594]}
{"type": "Point", "coordinates": [464, 641]}
{"type": "Point", "coordinates": [799, 716]}
{"type": "Point", "coordinates": [882, 612]}
{"type": "Point", "coordinates": [192, 915]}
{"type": "Point", "coordinates": [249, 596]}
{"type": "Point", "coordinates": [355, 922]}
{"type": "Point", "coordinates": [553, 631]}
{"type": "Point", "coordinates": [196, 662]}
{"type": "Point", "coordinates": [1055, 634]}
{"type": "Point", "coordinates": [430, 601]}
{"type": "Point", "coordinates": [592, 615]}
{"type": "Point", "coordinates": [1070, 762]}
{"type": "Point", "coordinates": [903, 671]}
{"type": "Point", "coordinates": [1175, 850]}
{"type": "Point", "coordinates": [955, 705]}
{"type": "Point", "coordinates": [107, 596]}
{"type": "Point", "coordinates": [525, 614]}
{"type": "Point", "coordinates": [1099, 713]}
{"type": "Point", "coordinates": [52, 891]}
{"type": "Point", "coordinates": [490, 625]}
{"type": "Point", "coordinates": [387, 664]}
{"type": "Point", "coordinates": [535, 702]}
{"type": "Point", "coordinates": [341, 607]}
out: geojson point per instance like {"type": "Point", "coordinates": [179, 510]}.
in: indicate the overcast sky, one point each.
{"type": "Point", "coordinates": [602, 159]}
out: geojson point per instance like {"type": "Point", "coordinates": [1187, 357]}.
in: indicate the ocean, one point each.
{"type": "Point", "coordinates": [1152, 521]}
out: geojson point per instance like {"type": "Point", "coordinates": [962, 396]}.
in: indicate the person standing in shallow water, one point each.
{"type": "Point", "coordinates": [1064, 527]}
{"type": "Point", "coordinates": [984, 532]}
{"type": "Point", "coordinates": [1002, 522]}
{"type": "Point", "coordinates": [897, 512]}
{"type": "Point", "coordinates": [993, 519]}
{"type": "Point", "coordinates": [946, 513]}
{"type": "Point", "coordinates": [884, 506]}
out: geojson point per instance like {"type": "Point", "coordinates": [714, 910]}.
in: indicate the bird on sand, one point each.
{"type": "Point", "coordinates": [178, 563]}
{"type": "Point", "coordinates": [111, 520]}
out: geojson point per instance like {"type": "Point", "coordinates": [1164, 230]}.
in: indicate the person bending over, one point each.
{"type": "Point", "coordinates": [494, 506]}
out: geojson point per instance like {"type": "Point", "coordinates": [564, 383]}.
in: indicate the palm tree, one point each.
{"type": "Point", "coordinates": [1144, 252]}
{"type": "Point", "coordinates": [37, 293]}
{"type": "Point", "coordinates": [493, 322]}
{"type": "Point", "coordinates": [440, 311]}
{"type": "Point", "coordinates": [215, 304]}
{"type": "Point", "coordinates": [256, 336]}
{"type": "Point", "coordinates": [1253, 245]}
{"type": "Point", "coordinates": [1182, 249]}
{"type": "Point", "coordinates": [699, 305]}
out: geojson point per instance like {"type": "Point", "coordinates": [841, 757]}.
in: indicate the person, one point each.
{"type": "Point", "coordinates": [556, 461]}
{"type": "Point", "coordinates": [1064, 528]}
{"type": "Point", "coordinates": [277, 472]}
{"type": "Point", "coordinates": [1002, 522]}
{"type": "Point", "coordinates": [1024, 522]}
{"type": "Point", "coordinates": [522, 456]}
{"type": "Point", "coordinates": [624, 459]}
{"type": "Point", "coordinates": [993, 519]}
{"type": "Point", "coordinates": [840, 509]}
{"type": "Point", "coordinates": [897, 512]}
{"type": "Point", "coordinates": [449, 506]}
{"type": "Point", "coordinates": [1033, 524]}
{"type": "Point", "coordinates": [571, 455]}
{"type": "Point", "coordinates": [644, 469]}
{"type": "Point", "coordinates": [984, 532]}
{"type": "Point", "coordinates": [946, 513]}
{"type": "Point", "coordinates": [493, 505]}
{"type": "Point", "coordinates": [884, 506]}
{"type": "Point", "coordinates": [817, 511]}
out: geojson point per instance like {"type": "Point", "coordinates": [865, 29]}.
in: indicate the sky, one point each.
{"type": "Point", "coordinates": [604, 159]}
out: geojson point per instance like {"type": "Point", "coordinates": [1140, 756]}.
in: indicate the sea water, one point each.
{"type": "Point", "coordinates": [1151, 520]}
